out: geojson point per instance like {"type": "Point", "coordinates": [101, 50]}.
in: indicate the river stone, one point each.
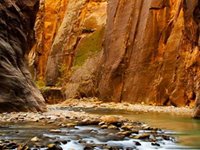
{"type": "Point", "coordinates": [104, 126]}
{"type": "Point", "coordinates": [17, 91]}
{"type": "Point", "coordinates": [142, 136]}
{"type": "Point", "coordinates": [112, 127]}
{"type": "Point", "coordinates": [124, 133]}
{"type": "Point", "coordinates": [54, 147]}
{"type": "Point", "coordinates": [11, 146]}
{"type": "Point", "coordinates": [70, 125]}
{"type": "Point", "coordinates": [127, 127]}
{"type": "Point", "coordinates": [109, 119]}
{"type": "Point", "coordinates": [89, 122]}
{"type": "Point", "coordinates": [138, 143]}
{"type": "Point", "coordinates": [35, 139]}
{"type": "Point", "coordinates": [155, 144]}
{"type": "Point", "coordinates": [88, 148]}
{"type": "Point", "coordinates": [55, 131]}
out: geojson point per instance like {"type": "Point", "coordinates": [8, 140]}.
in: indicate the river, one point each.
{"type": "Point", "coordinates": [187, 130]}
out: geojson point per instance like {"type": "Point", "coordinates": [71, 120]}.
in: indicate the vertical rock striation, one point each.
{"type": "Point", "coordinates": [17, 91]}
{"type": "Point", "coordinates": [48, 21]}
{"type": "Point", "coordinates": [151, 52]}
{"type": "Point", "coordinates": [69, 37]}
{"type": "Point", "coordinates": [62, 50]}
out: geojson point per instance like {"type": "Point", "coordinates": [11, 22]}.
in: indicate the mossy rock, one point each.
{"type": "Point", "coordinates": [89, 46]}
{"type": "Point", "coordinates": [40, 83]}
{"type": "Point", "coordinates": [52, 95]}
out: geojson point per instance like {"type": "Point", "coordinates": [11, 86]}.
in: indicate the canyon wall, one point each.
{"type": "Point", "coordinates": [17, 91]}
{"type": "Point", "coordinates": [146, 52]}
{"type": "Point", "coordinates": [69, 42]}
{"type": "Point", "coordinates": [48, 21]}
{"type": "Point", "coordinates": [151, 52]}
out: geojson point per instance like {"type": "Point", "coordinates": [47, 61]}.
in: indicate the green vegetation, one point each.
{"type": "Point", "coordinates": [89, 46]}
{"type": "Point", "coordinates": [64, 75]}
{"type": "Point", "coordinates": [62, 68]}
{"type": "Point", "coordinates": [40, 83]}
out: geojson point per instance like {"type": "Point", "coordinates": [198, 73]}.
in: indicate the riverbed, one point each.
{"type": "Point", "coordinates": [184, 128]}
{"type": "Point", "coordinates": [78, 127]}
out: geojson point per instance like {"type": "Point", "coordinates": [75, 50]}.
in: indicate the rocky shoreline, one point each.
{"type": "Point", "coordinates": [58, 113]}
{"type": "Point", "coordinates": [101, 130]}
{"type": "Point", "coordinates": [95, 103]}
{"type": "Point", "coordinates": [80, 131]}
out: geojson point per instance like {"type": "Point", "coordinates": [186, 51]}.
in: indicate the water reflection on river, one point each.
{"type": "Point", "coordinates": [188, 129]}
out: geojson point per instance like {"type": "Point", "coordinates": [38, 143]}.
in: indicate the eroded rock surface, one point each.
{"type": "Point", "coordinates": [69, 44]}
{"type": "Point", "coordinates": [151, 52]}
{"type": "Point", "coordinates": [17, 91]}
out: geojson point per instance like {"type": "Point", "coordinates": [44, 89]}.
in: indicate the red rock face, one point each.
{"type": "Point", "coordinates": [17, 91]}
{"type": "Point", "coordinates": [151, 52]}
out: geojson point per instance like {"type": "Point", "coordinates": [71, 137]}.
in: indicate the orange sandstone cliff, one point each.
{"type": "Point", "coordinates": [146, 51]}
{"type": "Point", "coordinates": [151, 52]}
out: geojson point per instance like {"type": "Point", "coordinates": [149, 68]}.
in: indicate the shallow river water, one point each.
{"type": "Point", "coordinates": [177, 133]}
{"type": "Point", "coordinates": [187, 130]}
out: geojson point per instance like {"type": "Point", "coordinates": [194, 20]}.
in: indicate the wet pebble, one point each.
{"type": "Point", "coordinates": [166, 137]}
{"type": "Point", "coordinates": [112, 127]}
{"type": "Point", "coordinates": [109, 119]}
{"type": "Point", "coordinates": [155, 144]}
{"type": "Point", "coordinates": [64, 142]}
{"type": "Point", "coordinates": [50, 122]}
{"type": "Point", "coordinates": [141, 136]}
{"type": "Point", "coordinates": [138, 143]}
{"type": "Point", "coordinates": [89, 122]}
{"type": "Point", "coordinates": [69, 125]}
{"type": "Point", "coordinates": [54, 147]}
{"type": "Point", "coordinates": [55, 131]}
{"type": "Point", "coordinates": [11, 146]}
{"type": "Point", "coordinates": [101, 123]}
{"type": "Point", "coordinates": [105, 126]}
{"type": "Point", "coordinates": [134, 131]}
{"type": "Point", "coordinates": [124, 133]}
{"type": "Point", "coordinates": [35, 139]}
{"type": "Point", "coordinates": [127, 127]}
{"type": "Point", "coordinates": [88, 148]}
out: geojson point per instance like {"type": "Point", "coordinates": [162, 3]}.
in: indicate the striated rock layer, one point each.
{"type": "Point", "coordinates": [69, 37]}
{"type": "Point", "coordinates": [17, 91]}
{"type": "Point", "coordinates": [48, 21]}
{"type": "Point", "coordinates": [152, 52]}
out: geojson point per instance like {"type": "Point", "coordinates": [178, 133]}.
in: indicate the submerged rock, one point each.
{"type": "Point", "coordinates": [54, 147]}
{"type": "Point", "coordinates": [109, 119]}
{"type": "Point", "coordinates": [142, 136]}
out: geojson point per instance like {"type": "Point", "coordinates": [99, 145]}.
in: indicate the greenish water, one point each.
{"type": "Point", "coordinates": [187, 130]}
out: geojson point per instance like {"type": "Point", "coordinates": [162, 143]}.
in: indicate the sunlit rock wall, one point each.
{"type": "Point", "coordinates": [48, 21]}
{"type": "Point", "coordinates": [69, 36]}
{"type": "Point", "coordinates": [150, 49]}
{"type": "Point", "coordinates": [151, 52]}
{"type": "Point", "coordinates": [17, 91]}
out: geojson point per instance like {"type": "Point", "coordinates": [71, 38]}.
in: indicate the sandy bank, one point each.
{"type": "Point", "coordinates": [95, 103]}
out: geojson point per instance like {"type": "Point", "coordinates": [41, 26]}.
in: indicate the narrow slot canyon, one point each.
{"type": "Point", "coordinates": [99, 74]}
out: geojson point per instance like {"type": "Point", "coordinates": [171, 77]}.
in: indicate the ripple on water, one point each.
{"type": "Point", "coordinates": [79, 137]}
